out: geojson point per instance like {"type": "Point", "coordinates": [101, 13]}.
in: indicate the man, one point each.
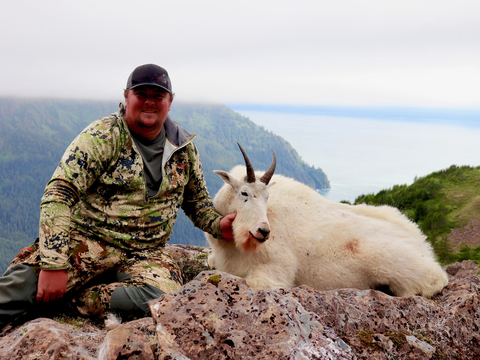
{"type": "Point", "coordinates": [110, 207]}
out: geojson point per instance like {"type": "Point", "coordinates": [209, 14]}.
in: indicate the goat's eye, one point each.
{"type": "Point", "coordinates": [244, 193]}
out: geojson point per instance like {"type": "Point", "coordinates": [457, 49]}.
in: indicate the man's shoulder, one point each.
{"type": "Point", "coordinates": [108, 131]}
{"type": "Point", "coordinates": [105, 126]}
{"type": "Point", "coordinates": [107, 122]}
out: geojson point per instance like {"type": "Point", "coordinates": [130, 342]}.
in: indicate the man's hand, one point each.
{"type": "Point", "coordinates": [226, 227]}
{"type": "Point", "coordinates": [52, 284]}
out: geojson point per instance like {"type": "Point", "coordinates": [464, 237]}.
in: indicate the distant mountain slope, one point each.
{"type": "Point", "coordinates": [218, 130]}
{"type": "Point", "coordinates": [34, 133]}
{"type": "Point", "coordinates": [33, 136]}
{"type": "Point", "coordinates": [446, 206]}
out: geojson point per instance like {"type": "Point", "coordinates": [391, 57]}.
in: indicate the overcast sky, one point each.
{"type": "Point", "coordinates": [370, 52]}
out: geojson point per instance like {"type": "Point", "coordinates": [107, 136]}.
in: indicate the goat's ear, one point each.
{"type": "Point", "coordinates": [229, 179]}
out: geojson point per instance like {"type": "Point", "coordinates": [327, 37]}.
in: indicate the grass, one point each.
{"type": "Point", "coordinates": [438, 203]}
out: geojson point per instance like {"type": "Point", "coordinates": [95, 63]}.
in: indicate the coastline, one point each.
{"type": "Point", "coordinates": [365, 155]}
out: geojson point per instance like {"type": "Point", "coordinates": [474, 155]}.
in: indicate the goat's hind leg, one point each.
{"type": "Point", "coordinates": [426, 280]}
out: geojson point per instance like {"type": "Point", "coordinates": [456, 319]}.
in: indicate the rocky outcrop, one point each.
{"type": "Point", "coordinates": [218, 316]}
{"type": "Point", "coordinates": [47, 339]}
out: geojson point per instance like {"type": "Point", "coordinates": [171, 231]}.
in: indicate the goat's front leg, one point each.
{"type": "Point", "coordinates": [269, 278]}
{"type": "Point", "coordinates": [211, 261]}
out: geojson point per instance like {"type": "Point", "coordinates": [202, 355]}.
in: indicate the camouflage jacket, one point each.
{"type": "Point", "coordinates": [98, 191]}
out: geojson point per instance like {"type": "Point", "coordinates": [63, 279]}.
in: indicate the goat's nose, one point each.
{"type": "Point", "coordinates": [264, 233]}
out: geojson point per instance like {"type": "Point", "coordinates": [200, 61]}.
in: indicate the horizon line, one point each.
{"type": "Point", "coordinates": [468, 114]}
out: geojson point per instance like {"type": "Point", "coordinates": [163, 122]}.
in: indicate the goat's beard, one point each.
{"type": "Point", "coordinates": [244, 239]}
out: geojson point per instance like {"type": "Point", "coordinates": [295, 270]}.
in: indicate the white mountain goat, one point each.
{"type": "Point", "coordinates": [286, 234]}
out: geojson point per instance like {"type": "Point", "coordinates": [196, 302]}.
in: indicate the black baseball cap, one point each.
{"type": "Point", "coordinates": [149, 74]}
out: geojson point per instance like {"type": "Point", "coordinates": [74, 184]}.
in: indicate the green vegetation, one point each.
{"type": "Point", "coordinates": [218, 129]}
{"type": "Point", "coordinates": [439, 202]}
{"type": "Point", "coordinates": [77, 322]}
{"type": "Point", "coordinates": [191, 267]}
{"type": "Point", "coordinates": [34, 133]}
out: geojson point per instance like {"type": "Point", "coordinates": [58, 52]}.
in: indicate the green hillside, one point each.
{"type": "Point", "coordinates": [442, 201]}
{"type": "Point", "coordinates": [35, 132]}
{"type": "Point", "coordinates": [33, 137]}
{"type": "Point", "coordinates": [218, 129]}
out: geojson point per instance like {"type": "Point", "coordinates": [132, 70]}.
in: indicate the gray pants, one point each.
{"type": "Point", "coordinates": [18, 289]}
{"type": "Point", "coordinates": [95, 272]}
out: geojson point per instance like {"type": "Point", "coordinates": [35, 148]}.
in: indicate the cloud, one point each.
{"type": "Point", "coordinates": [309, 52]}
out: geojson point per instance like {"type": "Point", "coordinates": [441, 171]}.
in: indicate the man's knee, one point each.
{"type": "Point", "coordinates": [18, 289]}
{"type": "Point", "coordinates": [134, 299]}
{"type": "Point", "coordinates": [19, 283]}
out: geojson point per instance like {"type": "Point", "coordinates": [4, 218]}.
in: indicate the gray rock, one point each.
{"type": "Point", "coordinates": [218, 316]}
{"type": "Point", "coordinates": [230, 320]}
{"type": "Point", "coordinates": [47, 339]}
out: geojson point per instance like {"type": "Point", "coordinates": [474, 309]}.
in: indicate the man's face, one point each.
{"type": "Point", "coordinates": [146, 108]}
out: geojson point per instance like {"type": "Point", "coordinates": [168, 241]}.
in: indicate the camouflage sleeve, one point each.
{"type": "Point", "coordinates": [55, 215]}
{"type": "Point", "coordinates": [80, 166]}
{"type": "Point", "coordinates": [197, 203]}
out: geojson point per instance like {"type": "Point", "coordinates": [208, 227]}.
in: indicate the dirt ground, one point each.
{"type": "Point", "coordinates": [467, 235]}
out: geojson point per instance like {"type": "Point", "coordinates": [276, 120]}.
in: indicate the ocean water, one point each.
{"type": "Point", "coordinates": [363, 155]}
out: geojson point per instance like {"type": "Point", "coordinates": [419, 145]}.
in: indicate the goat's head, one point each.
{"type": "Point", "coordinates": [249, 200]}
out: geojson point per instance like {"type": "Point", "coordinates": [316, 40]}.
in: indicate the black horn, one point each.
{"type": "Point", "coordinates": [269, 173]}
{"type": "Point", "coordinates": [248, 164]}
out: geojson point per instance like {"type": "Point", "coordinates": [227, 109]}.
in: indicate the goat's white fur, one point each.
{"type": "Point", "coordinates": [319, 243]}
